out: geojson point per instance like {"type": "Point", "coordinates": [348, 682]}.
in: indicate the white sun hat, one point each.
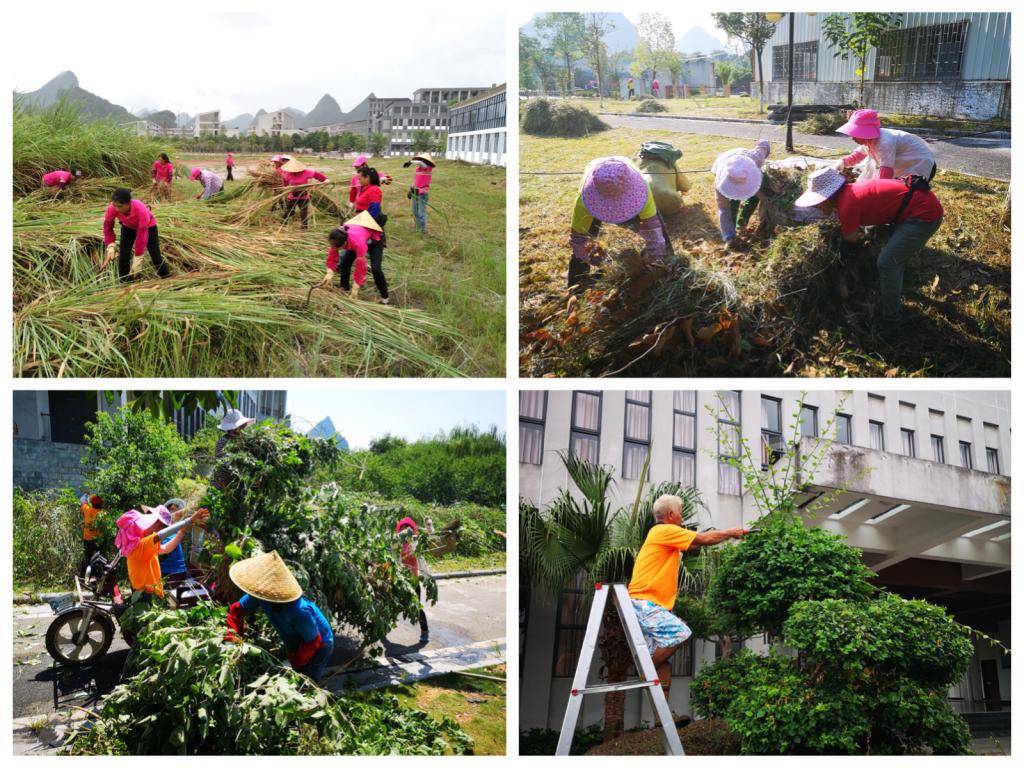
{"type": "Point", "coordinates": [234, 419]}
{"type": "Point", "coordinates": [739, 178]}
{"type": "Point", "coordinates": [821, 185]}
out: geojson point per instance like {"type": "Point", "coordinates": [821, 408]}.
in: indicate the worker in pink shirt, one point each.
{"type": "Point", "coordinates": [420, 188]}
{"type": "Point", "coordinates": [655, 87]}
{"type": "Point", "coordinates": [138, 230]}
{"type": "Point", "coordinates": [351, 244]}
{"type": "Point", "coordinates": [360, 164]}
{"type": "Point", "coordinates": [230, 164]}
{"type": "Point", "coordinates": [163, 177]}
{"type": "Point", "coordinates": [295, 174]}
{"type": "Point", "coordinates": [61, 179]}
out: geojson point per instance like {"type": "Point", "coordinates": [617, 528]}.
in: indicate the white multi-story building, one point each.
{"type": "Point", "coordinates": [476, 129]}
{"type": "Point", "coordinates": [274, 124]}
{"type": "Point", "coordinates": [206, 124]}
{"type": "Point", "coordinates": [925, 494]}
{"type": "Point", "coordinates": [400, 118]}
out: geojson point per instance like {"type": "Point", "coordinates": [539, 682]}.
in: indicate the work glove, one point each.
{"type": "Point", "coordinates": [111, 253]}
{"type": "Point", "coordinates": [351, 207]}
{"type": "Point", "coordinates": [154, 182]}
{"type": "Point", "coordinates": [327, 278]}
{"type": "Point", "coordinates": [654, 237]}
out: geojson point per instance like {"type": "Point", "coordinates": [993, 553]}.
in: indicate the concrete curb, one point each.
{"type": "Point", "coordinates": [467, 574]}
{"type": "Point", "coordinates": [998, 134]}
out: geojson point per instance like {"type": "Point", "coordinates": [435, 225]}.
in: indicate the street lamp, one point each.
{"type": "Point", "coordinates": [775, 18]}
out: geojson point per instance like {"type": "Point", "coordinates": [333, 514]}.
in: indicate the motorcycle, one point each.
{"type": "Point", "coordinates": [85, 621]}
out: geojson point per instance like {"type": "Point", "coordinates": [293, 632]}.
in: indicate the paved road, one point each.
{"type": "Point", "coordinates": [468, 610]}
{"type": "Point", "coordinates": [976, 154]}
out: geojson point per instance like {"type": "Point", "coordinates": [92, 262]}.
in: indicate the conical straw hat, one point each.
{"type": "Point", "coordinates": [364, 219]}
{"type": "Point", "coordinates": [266, 577]}
{"type": "Point", "coordinates": [293, 166]}
{"type": "Point", "coordinates": [426, 158]}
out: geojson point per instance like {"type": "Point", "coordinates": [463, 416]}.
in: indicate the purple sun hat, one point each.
{"type": "Point", "coordinates": [614, 190]}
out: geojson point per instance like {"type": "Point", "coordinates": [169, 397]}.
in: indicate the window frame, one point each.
{"type": "Point", "coordinates": [847, 419]}
{"type": "Point", "coordinates": [565, 631]}
{"type": "Point", "coordinates": [738, 424]}
{"type": "Point", "coordinates": [679, 449]}
{"type": "Point", "coordinates": [814, 420]}
{"type": "Point", "coordinates": [765, 444]}
{"type": "Point", "coordinates": [991, 453]}
{"type": "Point", "coordinates": [626, 440]}
{"type": "Point", "coordinates": [969, 454]}
{"type": "Point", "coordinates": [913, 442]}
{"type": "Point", "coordinates": [574, 430]}
{"type": "Point", "coordinates": [805, 62]}
{"type": "Point", "coordinates": [899, 50]}
{"type": "Point", "coordinates": [940, 455]}
{"type": "Point", "coordinates": [540, 423]}
{"type": "Point", "coordinates": [881, 434]}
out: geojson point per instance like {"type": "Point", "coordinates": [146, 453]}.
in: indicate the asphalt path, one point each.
{"type": "Point", "coordinates": [977, 155]}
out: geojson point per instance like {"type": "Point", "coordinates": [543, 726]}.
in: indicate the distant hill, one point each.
{"type": "Point", "coordinates": [697, 40]}
{"type": "Point", "coordinates": [297, 114]}
{"type": "Point", "coordinates": [623, 37]}
{"type": "Point", "coordinates": [325, 112]}
{"type": "Point", "coordinates": [242, 122]}
{"type": "Point", "coordinates": [164, 118]}
{"type": "Point", "coordinates": [360, 111]}
{"type": "Point", "coordinates": [65, 85]}
{"type": "Point", "coordinates": [184, 120]}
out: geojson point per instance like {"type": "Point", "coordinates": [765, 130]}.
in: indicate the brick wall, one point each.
{"type": "Point", "coordinates": [965, 99]}
{"type": "Point", "coordinates": [43, 464]}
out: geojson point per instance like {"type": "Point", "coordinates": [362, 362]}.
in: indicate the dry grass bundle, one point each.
{"type": "Point", "coordinates": [541, 117]}
{"type": "Point", "coordinates": [651, 105]}
{"type": "Point", "coordinates": [822, 123]}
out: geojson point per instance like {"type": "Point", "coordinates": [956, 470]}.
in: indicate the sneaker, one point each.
{"type": "Point", "coordinates": [384, 300]}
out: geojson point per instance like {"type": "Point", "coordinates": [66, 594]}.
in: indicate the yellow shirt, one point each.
{"type": "Point", "coordinates": [582, 218]}
{"type": "Point", "coordinates": [144, 566]}
{"type": "Point", "coordinates": [656, 571]}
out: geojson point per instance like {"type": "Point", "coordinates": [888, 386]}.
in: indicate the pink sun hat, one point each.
{"type": "Point", "coordinates": [614, 190]}
{"type": "Point", "coordinates": [739, 178]}
{"type": "Point", "coordinates": [361, 160]}
{"type": "Point", "coordinates": [195, 174]}
{"type": "Point", "coordinates": [863, 124]}
{"type": "Point", "coordinates": [821, 185]}
{"type": "Point", "coordinates": [277, 159]}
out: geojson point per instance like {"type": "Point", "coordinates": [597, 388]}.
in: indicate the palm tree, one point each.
{"type": "Point", "coordinates": [573, 539]}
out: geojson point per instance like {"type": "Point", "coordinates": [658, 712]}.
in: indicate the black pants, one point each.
{"type": "Point", "coordinates": [580, 270]}
{"type": "Point", "coordinates": [302, 205]}
{"type": "Point", "coordinates": [375, 256]}
{"type": "Point", "coordinates": [230, 177]}
{"type": "Point", "coordinates": [423, 614]}
{"type": "Point", "coordinates": [124, 258]}
{"type": "Point", "coordinates": [91, 548]}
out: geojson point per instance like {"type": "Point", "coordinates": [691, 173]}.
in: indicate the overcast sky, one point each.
{"type": "Point", "coordinates": [361, 416]}
{"type": "Point", "coordinates": [161, 56]}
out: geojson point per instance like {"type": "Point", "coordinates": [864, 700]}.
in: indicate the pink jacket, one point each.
{"type": "Point", "coordinates": [57, 178]}
{"type": "Point", "coordinates": [163, 171]}
{"type": "Point", "coordinates": [230, 161]}
{"type": "Point", "coordinates": [422, 179]}
{"type": "Point", "coordinates": [359, 241]}
{"type": "Point", "coordinates": [297, 179]}
{"type": "Point", "coordinates": [139, 218]}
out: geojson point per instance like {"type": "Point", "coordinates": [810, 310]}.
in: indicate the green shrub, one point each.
{"type": "Point", "coordinates": [133, 459]}
{"type": "Point", "coordinates": [47, 538]}
{"type": "Point", "coordinates": [781, 563]}
{"type": "Point", "coordinates": [651, 105]}
{"type": "Point", "coordinates": [541, 117]}
{"type": "Point", "coordinates": [709, 737]}
{"type": "Point", "coordinates": [715, 689]}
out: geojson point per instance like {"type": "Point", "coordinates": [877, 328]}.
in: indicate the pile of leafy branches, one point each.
{"type": "Point", "coordinates": [343, 553]}
{"type": "Point", "coordinates": [47, 537]}
{"type": "Point", "coordinates": [196, 694]}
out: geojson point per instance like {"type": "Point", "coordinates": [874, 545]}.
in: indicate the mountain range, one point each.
{"type": "Point", "coordinates": [65, 85]}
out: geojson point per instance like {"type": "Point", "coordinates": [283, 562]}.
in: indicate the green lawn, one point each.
{"type": "Point", "coordinates": [455, 562]}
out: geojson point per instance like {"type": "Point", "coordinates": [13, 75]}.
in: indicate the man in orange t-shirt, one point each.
{"type": "Point", "coordinates": [91, 507]}
{"type": "Point", "coordinates": [655, 580]}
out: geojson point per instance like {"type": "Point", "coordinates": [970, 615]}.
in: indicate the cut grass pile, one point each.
{"type": "Point", "coordinates": [771, 308]}
{"type": "Point", "coordinates": [541, 117]}
{"type": "Point", "coordinates": [651, 105]}
{"type": "Point", "coordinates": [236, 303]}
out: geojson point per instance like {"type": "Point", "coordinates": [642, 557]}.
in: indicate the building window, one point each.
{"type": "Point", "coordinates": [772, 442]}
{"type": "Point", "coordinates": [907, 438]}
{"type": "Point", "coordinates": [571, 624]}
{"type": "Point", "coordinates": [805, 61]}
{"type": "Point", "coordinates": [966, 459]}
{"type": "Point", "coordinates": [992, 456]}
{"type": "Point", "coordinates": [844, 429]}
{"type": "Point", "coordinates": [682, 660]}
{"type": "Point", "coordinates": [585, 433]}
{"type": "Point", "coordinates": [808, 421]}
{"type": "Point", "coordinates": [938, 449]}
{"type": "Point", "coordinates": [637, 433]}
{"type": "Point", "coordinates": [533, 406]}
{"type": "Point", "coordinates": [684, 437]}
{"type": "Point", "coordinates": [728, 442]}
{"type": "Point", "coordinates": [877, 434]}
{"type": "Point", "coordinates": [922, 53]}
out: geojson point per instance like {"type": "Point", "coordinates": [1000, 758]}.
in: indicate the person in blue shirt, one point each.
{"type": "Point", "coordinates": [172, 565]}
{"type": "Point", "coordinates": [271, 587]}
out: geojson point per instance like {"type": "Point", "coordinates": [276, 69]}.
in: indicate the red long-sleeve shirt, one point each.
{"type": "Point", "coordinates": [138, 218]}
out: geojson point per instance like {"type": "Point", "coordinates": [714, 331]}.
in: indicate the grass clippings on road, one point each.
{"type": "Point", "coordinates": [776, 303]}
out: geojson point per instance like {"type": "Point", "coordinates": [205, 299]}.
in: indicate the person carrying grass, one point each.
{"type": "Point", "coordinates": [420, 188]}
{"type": "Point", "coordinates": [138, 231]}
{"type": "Point", "coordinates": [738, 180]}
{"type": "Point", "coordinates": [270, 586]}
{"type": "Point", "coordinates": [613, 191]}
{"type": "Point", "coordinates": [61, 179]}
{"type": "Point", "coordinates": [163, 177]}
{"type": "Point", "coordinates": [350, 245]}
{"type": "Point", "coordinates": [210, 182]}
{"type": "Point", "coordinates": [295, 174]}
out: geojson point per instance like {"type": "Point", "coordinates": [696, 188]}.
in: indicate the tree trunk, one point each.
{"type": "Point", "coordinates": [760, 75]}
{"type": "Point", "coordinates": [618, 663]}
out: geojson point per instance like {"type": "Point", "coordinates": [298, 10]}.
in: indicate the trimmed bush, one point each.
{"type": "Point", "coordinates": [541, 117]}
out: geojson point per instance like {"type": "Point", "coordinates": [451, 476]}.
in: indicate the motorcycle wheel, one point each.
{"type": "Point", "coordinates": [60, 638]}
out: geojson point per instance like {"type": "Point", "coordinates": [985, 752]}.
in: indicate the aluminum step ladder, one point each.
{"type": "Point", "coordinates": [649, 681]}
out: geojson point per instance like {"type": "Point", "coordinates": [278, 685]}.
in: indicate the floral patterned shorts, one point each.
{"type": "Point", "coordinates": [661, 627]}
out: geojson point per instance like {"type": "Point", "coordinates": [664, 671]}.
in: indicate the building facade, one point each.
{"type": "Point", "coordinates": [427, 110]}
{"type": "Point", "coordinates": [274, 124]}
{"type": "Point", "coordinates": [925, 494]}
{"type": "Point", "coordinates": [954, 65]}
{"type": "Point", "coordinates": [50, 429]}
{"type": "Point", "coordinates": [476, 129]}
{"type": "Point", "coordinates": [206, 124]}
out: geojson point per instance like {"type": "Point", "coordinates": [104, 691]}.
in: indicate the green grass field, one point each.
{"type": "Point", "coordinates": [956, 293]}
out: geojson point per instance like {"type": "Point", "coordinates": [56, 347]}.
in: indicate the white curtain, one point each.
{"type": "Point", "coordinates": [584, 447]}
{"type": "Point", "coordinates": [682, 468]}
{"type": "Point", "coordinates": [728, 479]}
{"type": "Point", "coordinates": [531, 404]}
{"type": "Point", "coordinates": [633, 456]}
{"type": "Point", "coordinates": [531, 443]}
{"type": "Point", "coordinates": [685, 400]}
{"type": "Point", "coordinates": [683, 429]}
{"type": "Point", "coordinates": [637, 422]}
{"type": "Point", "coordinates": [588, 411]}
